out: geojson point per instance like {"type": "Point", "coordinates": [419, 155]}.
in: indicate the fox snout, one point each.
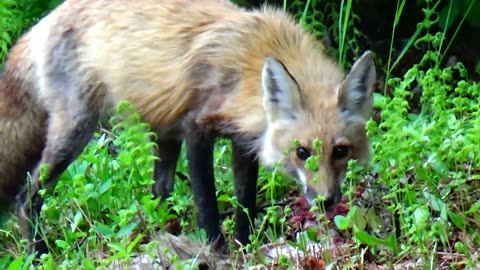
{"type": "Point", "coordinates": [332, 194]}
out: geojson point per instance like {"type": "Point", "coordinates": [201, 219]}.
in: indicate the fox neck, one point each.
{"type": "Point", "coordinates": [246, 125]}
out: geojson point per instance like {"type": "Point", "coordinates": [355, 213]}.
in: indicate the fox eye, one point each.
{"type": "Point", "coordinates": [303, 153]}
{"type": "Point", "coordinates": [341, 151]}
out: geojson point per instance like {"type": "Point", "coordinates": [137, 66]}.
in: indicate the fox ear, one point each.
{"type": "Point", "coordinates": [281, 96]}
{"type": "Point", "coordinates": [356, 93]}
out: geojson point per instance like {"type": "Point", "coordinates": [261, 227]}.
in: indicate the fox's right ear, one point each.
{"type": "Point", "coordinates": [281, 96]}
{"type": "Point", "coordinates": [356, 93]}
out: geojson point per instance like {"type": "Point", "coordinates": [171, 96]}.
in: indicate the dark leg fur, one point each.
{"type": "Point", "coordinates": [68, 134]}
{"type": "Point", "coordinates": [200, 156]}
{"type": "Point", "coordinates": [73, 116]}
{"type": "Point", "coordinates": [165, 167]}
{"type": "Point", "coordinates": [245, 169]}
{"type": "Point", "coordinates": [72, 119]}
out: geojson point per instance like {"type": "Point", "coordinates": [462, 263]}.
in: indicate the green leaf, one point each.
{"type": "Point", "coordinates": [125, 231]}
{"type": "Point", "coordinates": [437, 204]}
{"type": "Point", "coordinates": [76, 220]}
{"type": "Point", "coordinates": [378, 100]}
{"type": "Point", "coordinates": [392, 243]}
{"type": "Point", "coordinates": [358, 217]}
{"type": "Point", "coordinates": [104, 229]}
{"type": "Point", "coordinates": [459, 221]}
{"type": "Point", "coordinates": [134, 243]}
{"type": "Point", "coordinates": [312, 234]}
{"type": "Point", "coordinates": [450, 12]}
{"type": "Point", "coordinates": [341, 222]}
{"type": "Point", "coordinates": [16, 264]}
{"type": "Point", "coordinates": [88, 264]}
{"type": "Point", "coordinates": [224, 198]}
{"type": "Point", "coordinates": [410, 197]}
{"type": "Point", "coordinates": [373, 220]}
{"type": "Point", "coordinates": [5, 37]}
{"type": "Point", "coordinates": [475, 208]}
{"type": "Point", "coordinates": [118, 247]}
{"type": "Point", "coordinates": [62, 244]}
{"type": "Point", "coordinates": [5, 261]}
{"type": "Point", "coordinates": [421, 216]}
{"type": "Point", "coordinates": [367, 239]}
{"type": "Point", "coordinates": [28, 262]}
{"type": "Point", "coordinates": [105, 187]}
{"type": "Point", "coordinates": [473, 16]}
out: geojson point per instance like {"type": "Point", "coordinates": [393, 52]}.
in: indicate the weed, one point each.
{"type": "Point", "coordinates": [416, 203]}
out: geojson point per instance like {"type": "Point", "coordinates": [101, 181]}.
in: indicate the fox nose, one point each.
{"type": "Point", "coordinates": [333, 200]}
{"type": "Point", "coordinates": [329, 203]}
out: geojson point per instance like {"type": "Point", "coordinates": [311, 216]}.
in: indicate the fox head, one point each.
{"type": "Point", "coordinates": [335, 114]}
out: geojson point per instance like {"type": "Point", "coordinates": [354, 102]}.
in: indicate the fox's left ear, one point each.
{"type": "Point", "coordinates": [281, 96]}
{"type": "Point", "coordinates": [355, 96]}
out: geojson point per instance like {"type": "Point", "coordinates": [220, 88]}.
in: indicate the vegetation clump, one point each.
{"type": "Point", "coordinates": [417, 204]}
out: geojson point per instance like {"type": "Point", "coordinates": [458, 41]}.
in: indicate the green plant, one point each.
{"type": "Point", "coordinates": [424, 158]}
{"type": "Point", "coordinates": [18, 15]}
{"type": "Point", "coordinates": [416, 200]}
{"type": "Point", "coordinates": [8, 24]}
{"type": "Point", "coordinates": [332, 22]}
{"type": "Point", "coordinates": [452, 12]}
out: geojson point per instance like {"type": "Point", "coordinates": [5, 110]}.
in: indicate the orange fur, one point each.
{"type": "Point", "coordinates": [177, 62]}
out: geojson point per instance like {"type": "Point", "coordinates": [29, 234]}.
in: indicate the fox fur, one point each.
{"type": "Point", "coordinates": [194, 70]}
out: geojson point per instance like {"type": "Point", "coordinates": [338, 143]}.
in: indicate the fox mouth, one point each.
{"type": "Point", "coordinates": [328, 204]}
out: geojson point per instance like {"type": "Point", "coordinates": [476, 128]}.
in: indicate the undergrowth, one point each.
{"type": "Point", "coordinates": [428, 163]}
{"type": "Point", "coordinates": [416, 202]}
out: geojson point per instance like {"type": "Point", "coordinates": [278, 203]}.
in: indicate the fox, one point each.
{"type": "Point", "coordinates": [195, 71]}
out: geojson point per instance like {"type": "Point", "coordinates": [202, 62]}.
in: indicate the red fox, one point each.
{"type": "Point", "coordinates": [194, 70]}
